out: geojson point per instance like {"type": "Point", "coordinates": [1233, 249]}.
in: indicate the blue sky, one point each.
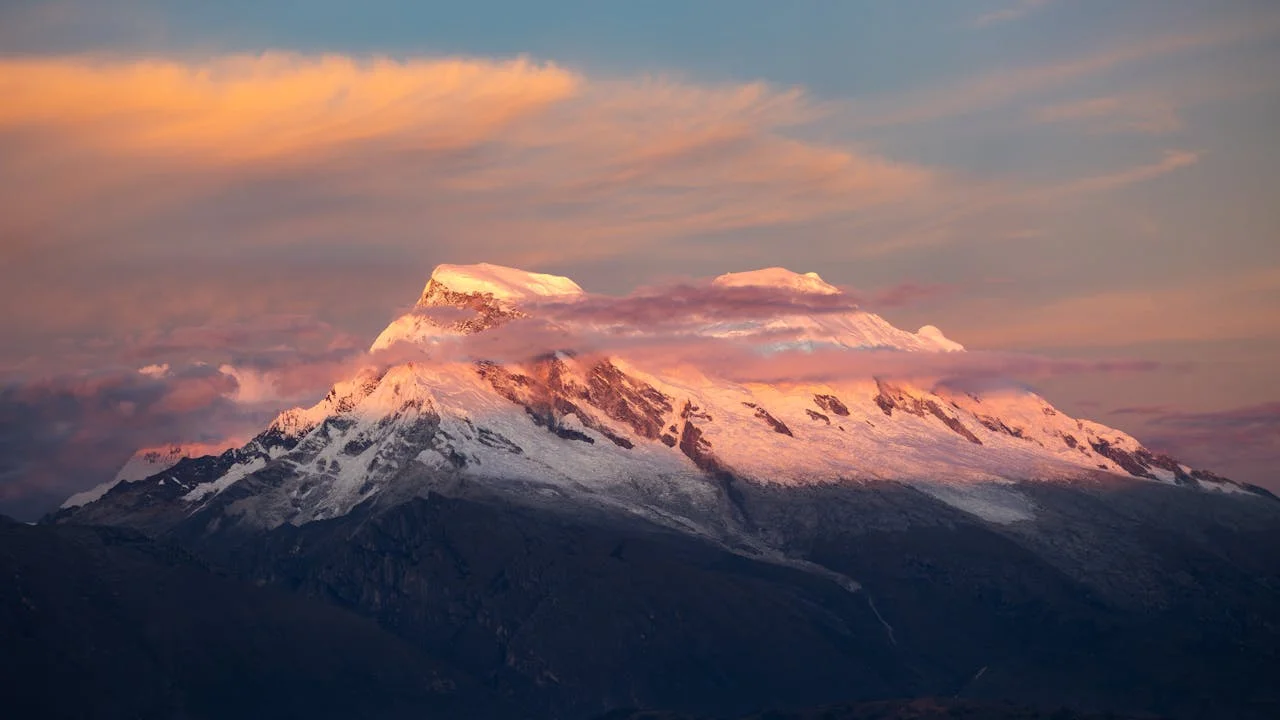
{"type": "Point", "coordinates": [1072, 177]}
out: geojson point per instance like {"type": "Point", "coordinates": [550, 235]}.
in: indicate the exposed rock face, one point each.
{"type": "Point", "coordinates": [551, 395]}
{"type": "Point", "coordinates": [890, 398]}
{"type": "Point", "coordinates": [777, 425]}
{"type": "Point", "coordinates": [636, 404]}
{"type": "Point", "coordinates": [488, 312]}
{"type": "Point", "coordinates": [995, 424]}
{"type": "Point", "coordinates": [1123, 458]}
{"type": "Point", "coordinates": [831, 404]}
{"type": "Point", "coordinates": [692, 444]}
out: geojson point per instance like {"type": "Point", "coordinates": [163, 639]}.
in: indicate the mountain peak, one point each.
{"type": "Point", "coordinates": [502, 283]}
{"type": "Point", "coordinates": [778, 277]}
{"type": "Point", "coordinates": [145, 463]}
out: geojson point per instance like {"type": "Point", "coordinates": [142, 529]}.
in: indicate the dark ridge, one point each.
{"type": "Point", "coordinates": [1123, 458]}
{"type": "Point", "coordinates": [953, 423]}
{"type": "Point", "coordinates": [497, 440]}
{"type": "Point", "coordinates": [995, 424]}
{"type": "Point", "coordinates": [890, 398]}
{"type": "Point", "coordinates": [357, 446]}
{"type": "Point", "coordinates": [920, 709]}
{"type": "Point", "coordinates": [104, 622]}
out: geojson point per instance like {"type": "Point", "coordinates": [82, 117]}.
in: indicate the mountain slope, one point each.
{"type": "Point", "coordinates": [105, 623]}
{"type": "Point", "coordinates": [577, 614]}
{"type": "Point", "coordinates": [145, 463]}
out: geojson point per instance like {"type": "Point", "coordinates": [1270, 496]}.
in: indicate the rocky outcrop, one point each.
{"type": "Point", "coordinates": [774, 423]}
{"type": "Point", "coordinates": [831, 404]}
{"type": "Point", "coordinates": [890, 398]}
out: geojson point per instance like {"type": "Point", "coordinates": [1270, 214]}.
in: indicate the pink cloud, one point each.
{"type": "Point", "coordinates": [70, 429]}
{"type": "Point", "coordinates": [688, 303]}
{"type": "Point", "coordinates": [1243, 442]}
{"type": "Point", "coordinates": [755, 357]}
{"type": "Point", "coordinates": [60, 434]}
{"type": "Point", "coordinates": [264, 332]}
{"type": "Point", "coordinates": [985, 92]}
{"type": "Point", "coordinates": [699, 303]}
{"type": "Point", "coordinates": [905, 294]}
{"type": "Point", "coordinates": [1149, 410]}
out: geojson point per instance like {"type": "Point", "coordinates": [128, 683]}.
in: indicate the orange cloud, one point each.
{"type": "Point", "coordinates": [1009, 14]}
{"type": "Point", "coordinates": [1172, 160]}
{"type": "Point", "coordinates": [171, 173]}
{"type": "Point", "coordinates": [630, 156]}
{"type": "Point", "coordinates": [274, 105]}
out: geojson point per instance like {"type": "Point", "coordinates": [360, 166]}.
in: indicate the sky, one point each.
{"type": "Point", "coordinates": [251, 185]}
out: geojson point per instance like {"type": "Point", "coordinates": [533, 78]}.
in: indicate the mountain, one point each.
{"type": "Point", "coordinates": [601, 526]}
{"type": "Point", "coordinates": [143, 464]}
{"type": "Point", "coordinates": [605, 432]}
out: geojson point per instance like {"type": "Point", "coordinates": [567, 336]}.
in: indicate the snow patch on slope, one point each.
{"type": "Point", "coordinates": [994, 502]}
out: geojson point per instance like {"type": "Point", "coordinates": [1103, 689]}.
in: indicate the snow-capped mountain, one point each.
{"type": "Point", "coordinates": [619, 521]}
{"type": "Point", "coordinates": [143, 464]}
{"type": "Point", "coordinates": [663, 443]}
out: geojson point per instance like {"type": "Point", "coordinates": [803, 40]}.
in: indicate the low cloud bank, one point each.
{"type": "Point", "coordinates": [64, 432]}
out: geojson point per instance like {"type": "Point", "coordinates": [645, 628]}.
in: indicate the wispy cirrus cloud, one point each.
{"type": "Point", "coordinates": [958, 209]}
{"type": "Point", "coordinates": [1143, 410]}
{"type": "Point", "coordinates": [240, 109]}
{"type": "Point", "coordinates": [984, 92]}
{"type": "Point", "coordinates": [358, 173]}
{"type": "Point", "coordinates": [1173, 160]}
{"type": "Point", "coordinates": [1159, 105]}
{"type": "Point", "coordinates": [1010, 13]}
{"type": "Point", "coordinates": [480, 132]}
{"type": "Point", "coordinates": [1114, 113]}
